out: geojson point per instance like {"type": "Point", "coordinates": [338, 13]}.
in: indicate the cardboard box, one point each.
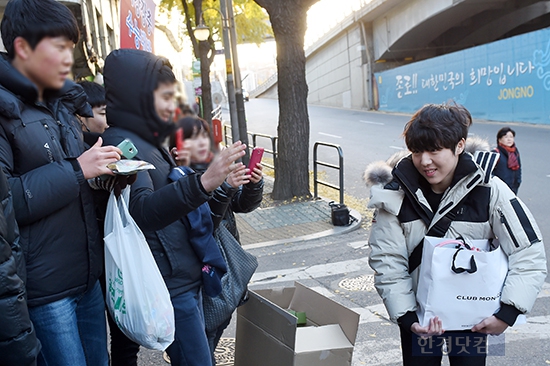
{"type": "Point", "coordinates": [267, 334]}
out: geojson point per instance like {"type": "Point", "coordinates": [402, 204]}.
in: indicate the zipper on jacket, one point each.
{"type": "Point", "coordinates": [505, 222]}
{"type": "Point", "coordinates": [46, 145]}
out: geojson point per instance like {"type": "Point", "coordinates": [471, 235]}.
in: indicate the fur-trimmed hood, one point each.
{"type": "Point", "coordinates": [380, 172]}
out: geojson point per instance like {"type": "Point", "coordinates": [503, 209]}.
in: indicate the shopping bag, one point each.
{"type": "Point", "coordinates": [460, 282]}
{"type": "Point", "coordinates": [137, 297]}
{"type": "Point", "coordinates": [241, 265]}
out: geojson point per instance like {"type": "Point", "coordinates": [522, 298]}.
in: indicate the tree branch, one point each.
{"type": "Point", "coordinates": [189, 27]}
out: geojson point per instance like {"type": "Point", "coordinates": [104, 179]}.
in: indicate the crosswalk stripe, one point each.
{"type": "Point", "coordinates": [315, 271]}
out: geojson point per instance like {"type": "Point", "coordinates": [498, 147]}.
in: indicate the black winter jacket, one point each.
{"type": "Point", "coordinates": [18, 342]}
{"type": "Point", "coordinates": [39, 145]}
{"type": "Point", "coordinates": [511, 177]}
{"type": "Point", "coordinates": [226, 201]}
{"type": "Point", "coordinates": [158, 205]}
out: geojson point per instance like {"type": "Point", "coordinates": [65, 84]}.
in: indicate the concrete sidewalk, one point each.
{"type": "Point", "coordinates": [278, 223]}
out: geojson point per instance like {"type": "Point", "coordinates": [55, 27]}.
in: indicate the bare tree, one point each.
{"type": "Point", "coordinates": [289, 22]}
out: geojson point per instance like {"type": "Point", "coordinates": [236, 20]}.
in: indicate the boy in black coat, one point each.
{"type": "Point", "coordinates": [140, 92]}
{"type": "Point", "coordinates": [42, 154]}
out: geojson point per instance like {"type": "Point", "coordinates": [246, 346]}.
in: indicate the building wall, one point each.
{"type": "Point", "coordinates": [335, 76]}
{"type": "Point", "coordinates": [507, 80]}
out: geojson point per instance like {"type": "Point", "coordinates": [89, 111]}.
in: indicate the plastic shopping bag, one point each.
{"type": "Point", "coordinates": [137, 297]}
{"type": "Point", "coordinates": [459, 282]}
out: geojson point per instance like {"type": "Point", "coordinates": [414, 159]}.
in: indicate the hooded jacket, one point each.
{"type": "Point", "coordinates": [39, 145]}
{"type": "Point", "coordinates": [403, 217]}
{"type": "Point", "coordinates": [158, 205]}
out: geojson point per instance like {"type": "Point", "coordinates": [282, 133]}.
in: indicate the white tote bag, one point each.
{"type": "Point", "coordinates": [137, 297]}
{"type": "Point", "coordinates": [461, 284]}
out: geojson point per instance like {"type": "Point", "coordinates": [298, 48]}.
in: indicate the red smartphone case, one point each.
{"type": "Point", "coordinates": [255, 157]}
{"type": "Point", "coordinates": [179, 139]}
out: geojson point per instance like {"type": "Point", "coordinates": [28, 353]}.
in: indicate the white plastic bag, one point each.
{"type": "Point", "coordinates": [137, 297]}
{"type": "Point", "coordinates": [460, 286]}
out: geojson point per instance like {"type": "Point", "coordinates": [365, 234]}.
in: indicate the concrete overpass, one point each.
{"type": "Point", "coordinates": [384, 34]}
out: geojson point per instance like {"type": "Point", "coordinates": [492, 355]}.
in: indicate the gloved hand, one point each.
{"type": "Point", "coordinates": [121, 181]}
{"type": "Point", "coordinates": [114, 183]}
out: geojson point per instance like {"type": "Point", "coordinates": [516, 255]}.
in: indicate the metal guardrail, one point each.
{"type": "Point", "coordinates": [273, 150]}
{"type": "Point", "coordinates": [227, 136]}
{"type": "Point", "coordinates": [339, 167]}
{"type": "Point", "coordinates": [217, 113]}
{"type": "Point", "coordinates": [254, 138]}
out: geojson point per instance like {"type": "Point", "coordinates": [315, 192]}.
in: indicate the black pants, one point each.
{"type": "Point", "coordinates": [124, 352]}
{"type": "Point", "coordinates": [464, 348]}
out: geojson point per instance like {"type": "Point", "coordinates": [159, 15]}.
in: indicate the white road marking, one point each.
{"type": "Point", "coordinates": [329, 135]}
{"type": "Point", "coordinates": [359, 244]}
{"type": "Point", "coordinates": [396, 147]}
{"type": "Point", "coordinates": [315, 271]}
{"type": "Point", "coordinates": [372, 123]}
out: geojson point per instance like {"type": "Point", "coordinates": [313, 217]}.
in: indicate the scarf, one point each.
{"type": "Point", "coordinates": [513, 160]}
{"type": "Point", "coordinates": [201, 237]}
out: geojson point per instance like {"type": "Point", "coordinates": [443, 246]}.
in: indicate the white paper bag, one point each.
{"type": "Point", "coordinates": [465, 296]}
{"type": "Point", "coordinates": [137, 297]}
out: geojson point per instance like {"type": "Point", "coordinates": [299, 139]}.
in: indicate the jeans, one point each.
{"type": "Point", "coordinates": [214, 338]}
{"type": "Point", "coordinates": [190, 347]}
{"type": "Point", "coordinates": [72, 330]}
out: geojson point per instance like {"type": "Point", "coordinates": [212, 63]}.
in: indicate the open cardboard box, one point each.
{"type": "Point", "coordinates": [267, 334]}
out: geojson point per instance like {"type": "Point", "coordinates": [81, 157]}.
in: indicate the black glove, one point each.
{"type": "Point", "coordinates": [121, 181]}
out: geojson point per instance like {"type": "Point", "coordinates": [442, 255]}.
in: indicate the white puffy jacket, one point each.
{"type": "Point", "coordinates": [490, 210]}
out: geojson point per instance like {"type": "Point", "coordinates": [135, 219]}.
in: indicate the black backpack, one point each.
{"type": "Point", "coordinates": [339, 214]}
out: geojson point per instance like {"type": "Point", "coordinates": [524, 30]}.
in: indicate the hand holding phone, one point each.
{"type": "Point", "coordinates": [255, 157]}
{"type": "Point", "coordinates": [129, 151]}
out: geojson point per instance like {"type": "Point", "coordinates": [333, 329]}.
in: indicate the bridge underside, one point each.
{"type": "Point", "coordinates": [460, 25]}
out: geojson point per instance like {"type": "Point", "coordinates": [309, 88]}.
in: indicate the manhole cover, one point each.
{"type": "Point", "coordinates": [361, 283]}
{"type": "Point", "coordinates": [225, 352]}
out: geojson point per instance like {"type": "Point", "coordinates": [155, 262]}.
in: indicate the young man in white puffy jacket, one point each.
{"type": "Point", "coordinates": [439, 180]}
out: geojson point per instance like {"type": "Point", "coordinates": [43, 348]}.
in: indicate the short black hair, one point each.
{"type": "Point", "coordinates": [503, 131]}
{"type": "Point", "coordinates": [165, 74]}
{"type": "Point", "coordinates": [34, 20]}
{"type": "Point", "coordinates": [192, 126]}
{"type": "Point", "coordinates": [437, 126]}
{"type": "Point", "coordinates": [95, 93]}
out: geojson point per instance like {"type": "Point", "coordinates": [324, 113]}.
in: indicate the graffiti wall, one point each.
{"type": "Point", "coordinates": [508, 80]}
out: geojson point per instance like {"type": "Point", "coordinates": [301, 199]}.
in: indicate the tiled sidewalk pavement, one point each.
{"type": "Point", "coordinates": [284, 222]}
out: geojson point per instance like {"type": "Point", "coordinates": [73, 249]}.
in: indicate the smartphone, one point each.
{"type": "Point", "coordinates": [179, 139]}
{"type": "Point", "coordinates": [129, 151]}
{"type": "Point", "coordinates": [255, 157]}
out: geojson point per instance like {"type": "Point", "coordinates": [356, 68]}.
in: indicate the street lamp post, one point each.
{"type": "Point", "coordinates": [203, 35]}
{"type": "Point", "coordinates": [243, 131]}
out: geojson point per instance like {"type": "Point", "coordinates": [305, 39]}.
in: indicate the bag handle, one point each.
{"type": "Point", "coordinates": [438, 229]}
{"type": "Point", "coordinates": [473, 265]}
